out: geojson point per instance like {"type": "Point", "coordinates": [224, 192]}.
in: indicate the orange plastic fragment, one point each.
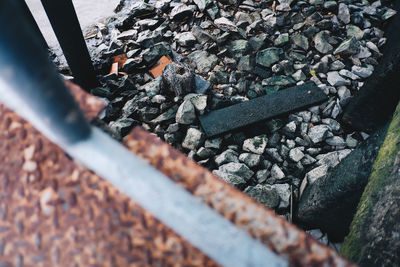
{"type": "Point", "coordinates": [114, 68]}
{"type": "Point", "coordinates": [159, 67]}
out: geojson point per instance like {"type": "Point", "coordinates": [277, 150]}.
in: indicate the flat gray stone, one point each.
{"type": "Point", "coordinates": [249, 112]}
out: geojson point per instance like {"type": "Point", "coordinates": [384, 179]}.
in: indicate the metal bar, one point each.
{"type": "Point", "coordinates": [65, 23]}
{"type": "Point", "coordinates": [32, 21]}
{"type": "Point", "coordinates": [199, 224]}
{"type": "Point", "coordinates": [64, 199]}
{"type": "Point", "coordinates": [34, 79]}
{"type": "Point", "coordinates": [261, 109]}
{"type": "Point", "coordinates": [260, 222]}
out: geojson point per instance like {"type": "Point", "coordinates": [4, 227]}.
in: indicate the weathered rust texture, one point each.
{"type": "Point", "coordinates": [261, 223]}
{"type": "Point", "coordinates": [90, 105]}
{"type": "Point", "coordinates": [54, 212]}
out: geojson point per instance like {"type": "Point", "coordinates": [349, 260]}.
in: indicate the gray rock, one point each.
{"type": "Point", "coordinates": [122, 126]}
{"type": "Point", "coordinates": [255, 43]}
{"type": "Point", "coordinates": [343, 92]}
{"type": "Point", "coordinates": [373, 47]}
{"type": "Point", "coordinates": [348, 47]}
{"type": "Point", "coordinates": [307, 160]}
{"type": "Point", "coordinates": [193, 139]}
{"type": "Point", "coordinates": [213, 143]}
{"type": "Point", "coordinates": [180, 12]}
{"type": "Point", "coordinates": [299, 76]}
{"type": "Point", "coordinates": [283, 191]}
{"type": "Point", "coordinates": [270, 20]}
{"type": "Point", "coordinates": [204, 62]}
{"type": "Point", "coordinates": [177, 78]}
{"type": "Point", "coordinates": [351, 142]}
{"type": "Point", "coordinates": [316, 174]}
{"type": "Point", "coordinates": [227, 156]}
{"type": "Point", "coordinates": [201, 85]}
{"type": "Point", "coordinates": [354, 31]}
{"type": "Point", "coordinates": [204, 153]}
{"type": "Point", "coordinates": [127, 35]}
{"type": "Point", "coordinates": [173, 128]}
{"type": "Point", "coordinates": [199, 102]}
{"type": "Point", "coordinates": [330, 5]}
{"type": "Point", "coordinates": [282, 39]}
{"type": "Point", "coordinates": [268, 57]}
{"type": "Point", "coordinates": [185, 39]}
{"type": "Point", "coordinates": [335, 79]}
{"type": "Point", "coordinates": [201, 36]}
{"type": "Point", "coordinates": [274, 155]}
{"type": "Point", "coordinates": [333, 124]}
{"type": "Point", "coordinates": [276, 172]}
{"type": "Point", "coordinates": [330, 159]}
{"type": "Point", "coordinates": [230, 178]}
{"type": "Point", "coordinates": [225, 24]}
{"type": "Point", "coordinates": [318, 133]}
{"type": "Point", "coordinates": [202, 4]}
{"type": "Point", "coordinates": [168, 115]}
{"type": "Point", "coordinates": [152, 88]}
{"type": "Point", "coordinates": [251, 160]}
{"type": "Point", "coordinates": [388, 14]}
{"type": "Point", "coordinates": [335, 141]}
{"type": "Point", "coordinates": [256, 144]}
{"type": "Point", "coordinates": [262, 176]}
{"type": "Point", "coordinates": [148, 38]}
{"type": "Point", "coordinates": [131, 64]}
{"type": "Point", "coordinates": [348, 74]}
{"type": "Point", "coordinates": [284, 7]}
{"type": "Point", "coordinates": [364, 53]}
{"type": "Point", "coordinates": [186, 113]}
{"type": "Point", "coordinates": [300, 41]}
{"type": "Point", "coordinates": [141, 9]}
{"type": "Point", "coordinates": [321, 42]}
{"type": "Point", "coordinates": [344, 13]}
{"type": "Point", "coordinates": [296, 154]}
{"type": "Point", "coordinates": [238, 48]}
{"type": "Point", "coordinates": [290, 127]}
{"type": "Point", "coordinates": [212, 11]}
{"type": "Point", "coordinates": [337, 65]}
{"type": "Point", "coordinates": [159, 99]}
{"type": "Point", "coordinates": [238, 169]}
{"type": "Point", "coordinates": [265, 194]}
{"type": "Point", "coordinates": [246, 63]}
{"type": "Point", "coordinates": [362, 72]}
{"type": "Point", "coordinates": [279, 80]}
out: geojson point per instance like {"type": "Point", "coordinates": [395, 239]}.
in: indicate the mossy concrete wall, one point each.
{"type": "Point", "coordinates": [374, 238]}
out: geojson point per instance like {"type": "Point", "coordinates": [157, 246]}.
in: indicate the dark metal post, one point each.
{"type": "Point", "coordinates": [32, 21]}
{"type": "Point", "coordinates": [65, 23]}
{"type": "Point", "coordinates": [31, 82]}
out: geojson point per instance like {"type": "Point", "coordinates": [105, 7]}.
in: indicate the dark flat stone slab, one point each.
{"type": "Point", "coordinates": [261, 109]}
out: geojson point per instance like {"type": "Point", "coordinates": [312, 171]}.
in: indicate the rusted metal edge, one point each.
{"type": "Point", "coordinates": [54, 212]}
{"type": "Point", "coordinates": [260, 222]}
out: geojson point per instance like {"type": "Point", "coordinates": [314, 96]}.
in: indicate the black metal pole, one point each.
{"type": "Point", "coordinates": [65, 23]}
{"type": "Point", "coordinates": [32, 21]}
{"type": "Point", "coordinates": [29, 82]}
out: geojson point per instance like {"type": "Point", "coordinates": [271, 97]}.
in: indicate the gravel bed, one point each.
{"type": "Point", "coordinates": [226, 52]}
